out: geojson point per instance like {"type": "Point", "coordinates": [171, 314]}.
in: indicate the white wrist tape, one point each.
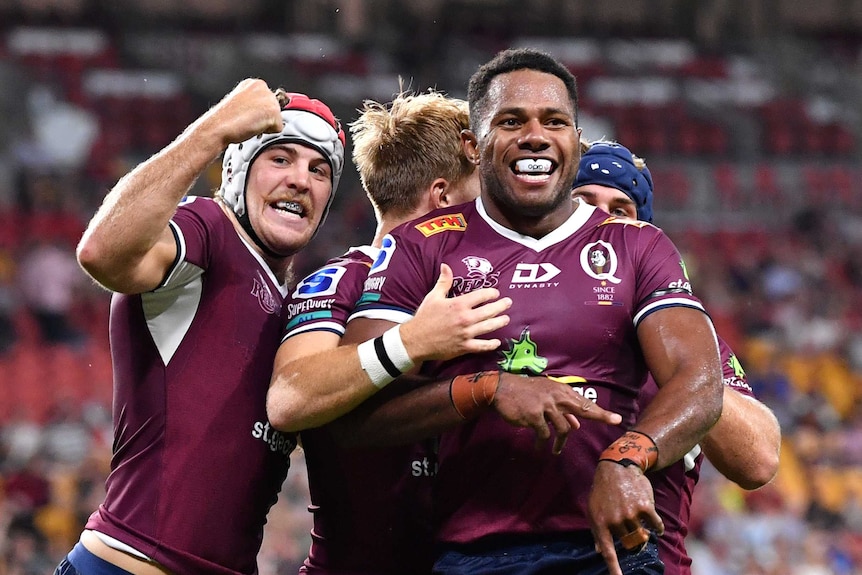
{"type": "Point", "coordinates": [394, 348]}
{"type": "Point", "coordinates": [384, 358]}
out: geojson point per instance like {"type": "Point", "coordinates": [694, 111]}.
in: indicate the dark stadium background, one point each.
{"type": "Point", "coordinates": [748, 113]}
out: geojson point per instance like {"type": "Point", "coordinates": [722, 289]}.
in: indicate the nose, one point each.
{"type": "Point", "coordinates": [533, 136]}
{"type": "Point", "coordinates": [299, 178]}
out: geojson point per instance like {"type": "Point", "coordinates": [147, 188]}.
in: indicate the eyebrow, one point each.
{"type": "Point", "coordinates": [626, 201]}
{"type": "Point", "coordinates": [290, 148]}
{"type": "Point", "coordinates": [548, 111]}
{"type": "Point", "coordinates": [284, 147]}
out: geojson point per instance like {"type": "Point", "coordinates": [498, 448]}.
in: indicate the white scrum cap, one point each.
{"type": "Point", "coordinates": [306, 121]}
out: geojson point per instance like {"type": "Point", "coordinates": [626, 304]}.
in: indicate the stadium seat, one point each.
{"type": "Point", "coordinates": [672, 185]}
{"type": "Point", "coordinates": [767, 191]}
{"type": "Point", "coordinates": [729, 190]}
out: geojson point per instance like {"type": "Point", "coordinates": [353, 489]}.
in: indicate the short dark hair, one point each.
{"type": "Point", "coordinates": [509, 61]}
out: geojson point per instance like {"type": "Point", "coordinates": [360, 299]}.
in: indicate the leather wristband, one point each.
{"type": "Point", "coordinates": [471, 394]}
{"type": "Point", "coordinates": [633, 448]}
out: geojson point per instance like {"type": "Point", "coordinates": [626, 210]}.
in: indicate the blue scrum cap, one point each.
{"type": "Point", "coordinates": [610, 164]}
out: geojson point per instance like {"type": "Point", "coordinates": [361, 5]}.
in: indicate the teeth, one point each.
{"type": "Point", "coordinates": [294, 207]}
{"type": "Point", "coordinates": [533, 166]}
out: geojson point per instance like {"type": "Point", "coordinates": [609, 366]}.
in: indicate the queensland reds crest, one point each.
{"type": "Point", "coordinates": [261, 291]}
{"type": "Point", "coordinates": [599, 260]}
{"type": "Point", "coordinates": [477, 266]}
{"type": "Point", "coordinates": [480, 273]}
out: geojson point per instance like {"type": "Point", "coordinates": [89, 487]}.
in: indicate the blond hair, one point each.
{"type": "Point", "coordinates": [401, 147]}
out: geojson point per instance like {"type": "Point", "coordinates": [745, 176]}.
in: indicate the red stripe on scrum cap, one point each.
{"type": "Point", "coordinates": [297, 101]}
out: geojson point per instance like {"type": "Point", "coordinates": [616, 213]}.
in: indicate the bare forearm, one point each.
{"type": "Point", "coordinates": [681, 351]}
{"type": "Point", "coordinates": [678, 420]}
{"type": "Point", "coordinates": [313, 390]}
{"type": "Point", "coordinates": [147, 197]}
{"type": "Point", "coordinates": [319, 376]}
{"type": "Point", "coordinates": [745, 443]}
{"type": "Point", "coordinates": [414, 408]}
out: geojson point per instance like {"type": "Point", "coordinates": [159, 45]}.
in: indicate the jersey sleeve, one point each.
{"type": "Point", "coordinates": [397, 282]}
{"type": "Point", "coordinates": [194, 226]}
{"type": "Point", "coordinates": [732, 371]}
{"type": "Point", "coordinates": [662, 278]}
{"type": "Point", "coordinates": [323, 300]}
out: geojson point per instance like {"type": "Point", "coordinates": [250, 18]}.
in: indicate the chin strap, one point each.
{"type": "Point", "coordinates": [246, 225]}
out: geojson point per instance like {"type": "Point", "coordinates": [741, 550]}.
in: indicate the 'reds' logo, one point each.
{"type": "Point", "coordinates": [267, 301]}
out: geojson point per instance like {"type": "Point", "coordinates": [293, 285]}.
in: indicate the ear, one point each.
{"type": "Point", "coordinates": [438, 193]}
{"type": "Point", "coordinates": [470, 146]}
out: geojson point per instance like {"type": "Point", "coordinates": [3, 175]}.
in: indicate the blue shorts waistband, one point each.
{"type": "Point", "coordinates": [86, 563]}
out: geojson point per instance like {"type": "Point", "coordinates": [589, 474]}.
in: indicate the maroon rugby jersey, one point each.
{"type": "Point", "coordinates": [579, 295]}
{"type": "Point", "coordinates": [371, 507]}
{"type": "Point", "coordinates": [674, 485]}
{"type": "Point", "coordinates": [195, 465]}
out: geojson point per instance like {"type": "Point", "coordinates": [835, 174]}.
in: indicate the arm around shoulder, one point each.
{"type": "Point", "coordinates": [314, 381]}
{"type": "Point", "coordinates": [745, 443]}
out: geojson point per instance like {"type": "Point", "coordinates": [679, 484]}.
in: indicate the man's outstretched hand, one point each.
{"type": "Point", "coordinates": [543, 403]}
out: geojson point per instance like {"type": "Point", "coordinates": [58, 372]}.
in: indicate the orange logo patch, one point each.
{"type": "Point", "coordinates": [449, 222]}
{"type": "Point", "coordinates": [626, 221]}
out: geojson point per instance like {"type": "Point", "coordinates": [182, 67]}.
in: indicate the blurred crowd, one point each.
{"type": "Point", "coordinates": [783, 284]}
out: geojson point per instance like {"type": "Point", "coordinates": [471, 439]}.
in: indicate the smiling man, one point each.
{"type": "Point", "coordinates": [195, 322]}
{"type": "Point", "coordinates": [592, 307]}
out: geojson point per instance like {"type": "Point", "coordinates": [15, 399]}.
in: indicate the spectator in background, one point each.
{"type": "Point", "coordinates": [66, 438]}
{"type": "Point", "coordinates": [49, 279]}
{"type": "Point", "coordinates": [26, 549]}
{"type": "Point", "coordinates": [61, 133]}
{"type": "Point", "coordinates": [26, 485]}
{"type": "Point", "coordinates": [9, 301]}
{"type": "Point", "coordinates": [20, 439]}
